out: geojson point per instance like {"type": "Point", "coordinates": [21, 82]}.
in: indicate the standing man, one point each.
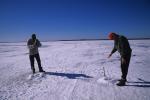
{"type": "Point", "coordinates": [33, 45]}
{"type": "Point", "coordinates": [121, 45]}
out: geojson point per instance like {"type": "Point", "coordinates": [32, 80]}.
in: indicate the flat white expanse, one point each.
{"type": "Point", "coordinates": [74, 72]}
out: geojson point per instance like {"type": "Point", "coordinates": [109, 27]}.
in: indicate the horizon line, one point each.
{"type": "Point", "coordinates": [74, 40]}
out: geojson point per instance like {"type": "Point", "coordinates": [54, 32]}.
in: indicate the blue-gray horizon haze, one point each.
{"type": "Point", "coordinates": [73, 19]}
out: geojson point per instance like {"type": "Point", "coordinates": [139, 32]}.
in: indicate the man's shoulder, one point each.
{"type": "Point", "coordinates": [121, 37]}
{"type": "Point", "coordinates": [29, 39]}
{"type": "Point", "coordinates": [37, 39]}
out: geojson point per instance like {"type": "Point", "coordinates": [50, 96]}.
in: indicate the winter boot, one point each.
{"type": "Point", "coordinates": [41, 70]}
{"type": "Point", "coordinates": [121, 82]}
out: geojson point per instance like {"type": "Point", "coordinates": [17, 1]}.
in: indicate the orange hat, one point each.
{"type": "Point", "coordinates": [111, 35]}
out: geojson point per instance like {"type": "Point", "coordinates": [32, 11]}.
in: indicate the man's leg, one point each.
{"type": "Point", "coordinates": [125, 66]}
{"type": "Point", "coordinates": [124, 69]}
{"type": "Point", "coordinates": [32, 63]}
{"type": "Point", "coordinates": [37, 56]}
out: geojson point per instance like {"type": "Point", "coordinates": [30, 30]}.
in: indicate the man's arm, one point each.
{"type": "Point", "coordinates": [30, 45]}
{"type": "Point", "coordinates": [113, 51]}
{"type": "Point", "coordinates": [38, 43]}
{"type": "Point", "coordinates": [28, 42]}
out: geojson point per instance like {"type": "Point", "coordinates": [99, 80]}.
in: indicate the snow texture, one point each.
{"type": "Point", "coordinates": [74, 71]}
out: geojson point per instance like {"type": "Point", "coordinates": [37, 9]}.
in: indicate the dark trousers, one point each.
{"type": "Point", "coordinates": [125, 66]}
{"type": "Point", "coordinates": [37, 57]}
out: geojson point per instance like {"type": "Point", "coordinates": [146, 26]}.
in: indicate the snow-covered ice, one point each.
{"type": "Point", "coordinates": [74, 71]}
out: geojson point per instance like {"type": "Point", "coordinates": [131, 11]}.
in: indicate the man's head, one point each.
{"type": "Point", "coordinates": [112, 36]}
{"type": "Point", "coordinates": [33, 36]}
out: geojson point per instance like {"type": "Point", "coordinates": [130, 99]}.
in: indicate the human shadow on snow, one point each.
{"type": "Point", "coordinates": [69, 75]}
{"type": "Point", "coordinates": [141, 83]}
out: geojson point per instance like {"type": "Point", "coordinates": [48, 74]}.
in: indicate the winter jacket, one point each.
{"type": "Point", "coordinates": [122, 45]}
{"type": "Point", "coordinates": [33, 46]}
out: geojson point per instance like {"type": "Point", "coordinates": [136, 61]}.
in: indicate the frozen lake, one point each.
{"type": "Point", "coordinates": [74, 71]}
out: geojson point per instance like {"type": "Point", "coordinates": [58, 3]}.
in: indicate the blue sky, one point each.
{"type": "Point", "coordinates": [73, 19]}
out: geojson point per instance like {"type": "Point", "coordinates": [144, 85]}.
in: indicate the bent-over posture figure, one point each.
{"type": "Point", "coordinates": [121, 45]}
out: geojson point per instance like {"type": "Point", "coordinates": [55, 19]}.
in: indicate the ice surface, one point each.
{"type": "Point", "coordinates": [74, 72]}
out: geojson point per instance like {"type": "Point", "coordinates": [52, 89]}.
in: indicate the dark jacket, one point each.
{"type": "Point", "coordinates": [33, 46]}
{"type": "Point", "coordinates": [122, 45]}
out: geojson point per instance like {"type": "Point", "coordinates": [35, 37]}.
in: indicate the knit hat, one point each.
{"type": "Point", "coordinates": [111, 35]}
